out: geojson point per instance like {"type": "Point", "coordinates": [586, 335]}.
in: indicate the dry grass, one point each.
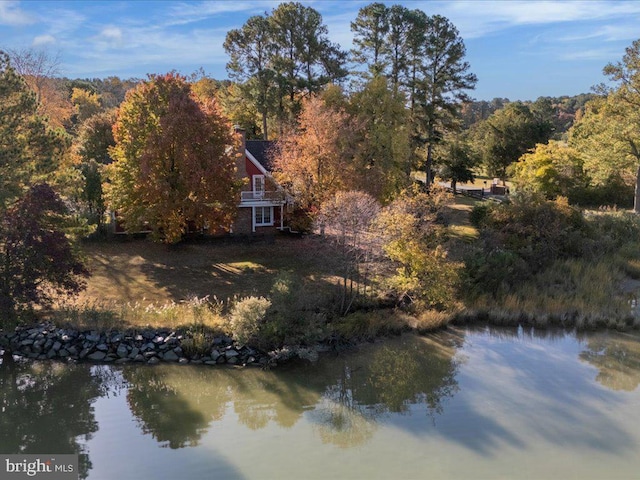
{"type": "Point", "coordinates": [143, 272]}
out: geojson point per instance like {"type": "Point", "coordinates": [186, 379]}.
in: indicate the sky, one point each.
{"type": "Point", "coordinates": [519, 50]}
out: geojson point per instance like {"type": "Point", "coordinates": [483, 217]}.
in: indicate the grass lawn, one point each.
{"type": "Point", "coordinates": [146, 272]}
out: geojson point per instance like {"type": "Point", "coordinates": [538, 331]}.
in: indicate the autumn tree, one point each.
{"type": "Point", "coordinates": [312, 160]}
{"type": "Point", "coordinates": [39, 69]}
{"type": "Point", "coordinates": [174, 161]}
{"type": "Point", "coordinates": [553, 169]}
{"type": "Point", "coordinates": [37, 260]}
{"type": "Point", "coordinates": [85, 104]}
{"type": "Point", "coordinates": [412, 240]}
{"type": "Point", "coordinates": [29, 150]}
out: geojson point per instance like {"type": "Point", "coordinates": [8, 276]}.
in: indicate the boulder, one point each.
{"type": "Point", "coordinates": [97, 356]}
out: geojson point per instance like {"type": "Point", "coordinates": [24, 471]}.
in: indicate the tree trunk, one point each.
{"type": "Point", "coordinates": [453, 186]}
{"type": "Point", "coordinates": [636, 200]}
{"type": "Point", "coordinates": [265, 135]}
{"type": "Point", "coordinates": [428, 179]}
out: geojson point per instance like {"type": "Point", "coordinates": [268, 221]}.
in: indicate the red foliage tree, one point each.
{"type": "Point", "coordinates": [37, 259]}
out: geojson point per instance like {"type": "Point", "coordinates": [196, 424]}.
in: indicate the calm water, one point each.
{"type": "Point", "coordinates": [462, 404]}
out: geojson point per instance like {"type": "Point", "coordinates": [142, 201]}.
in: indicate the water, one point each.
{"type": "Point", "coordinates": [462, 404]}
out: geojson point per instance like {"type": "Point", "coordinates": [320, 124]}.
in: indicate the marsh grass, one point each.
{"type": "Point", "coordinates": [195, 314]}
{"type": "Point", "coordinates": [571, 293]}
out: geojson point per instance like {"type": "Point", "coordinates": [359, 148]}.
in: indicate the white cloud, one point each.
{"type": "Point", "coordinates": [112, 33]}
{"type": "Point", "coordinates": [478, 18]}
{"type": "Point", "coordinates": [43, 40]}
{"type": "Point", "coordinates": [12, 15]}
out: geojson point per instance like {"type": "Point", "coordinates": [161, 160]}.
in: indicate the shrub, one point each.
{"type": "Point", "coordinates": [247, 317]}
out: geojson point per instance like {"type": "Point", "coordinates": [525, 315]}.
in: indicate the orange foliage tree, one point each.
{"type": "Point", "coordinates": [174, 161]}
{"type": "Point", "coordinates": [314, 160]}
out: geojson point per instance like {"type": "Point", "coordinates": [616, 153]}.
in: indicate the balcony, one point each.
{"type": "Point", "coordinates": [253, 197]}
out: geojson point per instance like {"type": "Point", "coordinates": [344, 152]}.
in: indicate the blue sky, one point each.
{"type": "Point", "coordinates": [518, 49]}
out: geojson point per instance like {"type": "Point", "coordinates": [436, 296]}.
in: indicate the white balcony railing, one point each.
{"type": "Point", "coordinates": [261, 196]}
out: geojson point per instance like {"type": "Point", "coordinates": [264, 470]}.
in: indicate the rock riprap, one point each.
{"type": "Point", "coordinates": [48, 342]}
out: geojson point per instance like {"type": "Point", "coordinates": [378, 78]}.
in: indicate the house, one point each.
{"type": "Point", "coordinates": [262, 201]}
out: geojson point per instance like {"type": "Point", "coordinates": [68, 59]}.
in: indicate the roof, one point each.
{"type": "Point", "coordinates": [260, 151]}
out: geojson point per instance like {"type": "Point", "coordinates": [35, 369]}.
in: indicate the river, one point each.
{"type": "Point", "coordinates": [462, 403]}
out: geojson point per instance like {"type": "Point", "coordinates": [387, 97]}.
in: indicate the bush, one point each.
{"type": "Point", "coordinates": [247, 317]}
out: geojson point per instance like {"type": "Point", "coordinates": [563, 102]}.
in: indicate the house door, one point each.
{"type": "Point", "coordinates": [258, 186]}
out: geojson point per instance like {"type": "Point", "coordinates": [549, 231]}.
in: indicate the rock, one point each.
{"type": "Point", "coordinates": [51, 353]}
{"type": "Point", "coordinates": [139, 358]}
{"type": "Point", "coordinates": [122, 360]}
{"type": "Point", "coordinates": [97, 356]}
{"type": "Point", "coordinates": [138, 338]}
{"type": "Point", "coordinates": [232, 360]}
{"type": "Point", "coordinates": [122, 351]}
{"type": "Point", "coordinates": [63, 353]}
{"type": "Point", "coordinates": [215, 354]}
{"type": "Point", "coordinates": [56, 346]}
{"type": "Point", "coordinates": [251, 359]}
{"type": "Point", "coordinates": [158, 339]}
{"type": "Point", "coordinates": [84, 352]}
{"type": "Point", "coordinates": [183, 361]}
{"type": "Point", "coordinates": [210, 362]}
{"type": "Point", "coordinates": [92, 337]}
{"type": "Point", "coordinates": [170, 356]}
{"type": "Point", "coordinates": [196, 362]}
{"type": "Point", "coordinates": [150, 354]}
{"type": "Point", "coordinates": [73, 350]}
{"type": "Point", "coordinates": [103, 347]}
{"type": "Point", "coordinates": [153, 361]}
{"type": "Point", "coordinates": [178, 351]}
{"type": "Point", "coordinates": [26, 342]}
{"type": "Point", "coordinates": [230, 354]}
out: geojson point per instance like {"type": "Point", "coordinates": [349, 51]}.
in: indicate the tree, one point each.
{"type": "Point", "coordinates": [382, 158]}
{"type": "Point", "coordinates": [174, 161]}
{"type": "Point", "coordinates": [347, 219]}
{"type": "Point", "coordinates": [455, 163]}
{"type": "Point", "coordinates": [312, 161]}
{"type": "Point", "coordinates": [36, 258]}
{"type": "Point", "coordinates": [625, 104]}
{"type": "Point", "coordinates": [29, 150]}
{"type": "Point", "coordinates": [603, 137]}
{"type": "Point", "coordinates": [553, 169]}
{"type": "Point", "coordinates": [508, 134]}
{"type": "Point", "coordinates": [282, 57]}
{"type": "Point", "coordinates": [39, 69]}
{"type": "Point", "coordinates": [85, 103]}
{"type": "Point", "coordinates": [441, 89]}
{"type": "Point", "coordinates": [370, 29]}
{"type": "Point", "coordinates": [251, 49]}
{"type": "Point", "coordinates": [411, 238]}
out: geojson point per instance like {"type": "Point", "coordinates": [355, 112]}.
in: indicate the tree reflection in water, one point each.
{"type": "Point", "coordinates": [343, 397]}
{"type": "Point", "coordinates": [617, 356]}
{"type": "Point", "coordinates": [411, 371]}
{"type": "Point", "coordinates": [47, 408]}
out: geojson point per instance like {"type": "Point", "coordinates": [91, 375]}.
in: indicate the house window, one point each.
{"type": "Point", "coordinates": [258, 186]}
{"type": "Point", "coordinates": [263, 216]}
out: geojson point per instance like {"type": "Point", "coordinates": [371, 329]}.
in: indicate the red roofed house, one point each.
{"type": "Point", "coordinates": [262, 200]}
